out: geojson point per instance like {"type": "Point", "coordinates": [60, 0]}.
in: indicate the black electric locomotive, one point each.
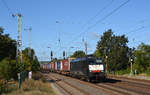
{"type": "Point", "coordinates": [89, 68]}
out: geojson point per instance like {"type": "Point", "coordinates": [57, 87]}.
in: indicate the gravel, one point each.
{"type": "Point", "coordinates": [86, 88]}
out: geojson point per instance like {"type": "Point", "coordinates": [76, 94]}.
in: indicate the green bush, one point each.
{"type": "Point", "coordinates": [122, 72]}
{"type": "Point", "coordinates": [8, 69]}
{"type": "Point", "coordinates": [148, 71]}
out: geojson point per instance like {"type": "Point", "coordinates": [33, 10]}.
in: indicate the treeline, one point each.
{"type": "Point", "coordinates": [118, 56]}
{"type": "Point", "coordinates": [9, 67]}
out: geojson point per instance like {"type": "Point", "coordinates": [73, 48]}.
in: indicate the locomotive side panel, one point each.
{"type": "Point", "coordinates": [79, 68]}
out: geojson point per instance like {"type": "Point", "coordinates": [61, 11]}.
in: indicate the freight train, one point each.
{"type": "Point", "coordinates": [88, 68]}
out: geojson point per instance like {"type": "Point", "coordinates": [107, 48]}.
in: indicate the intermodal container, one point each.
{"type": "Point", "coordinates": [52, 66]}
{"type": "Point", "coordinates": [58, 65]}
{"type": "Point", "coordinates": [43, 66]}
{"type": "Point", "coordinates": [55, 66]}
{"type": "Point", "coordinates": [47, 66]}
{"type": "Point", "coordinates": [65, 65]}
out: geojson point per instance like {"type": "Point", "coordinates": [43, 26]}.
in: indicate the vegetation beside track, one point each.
{"type": "Point", "coordinates": [33, 87]}
{"type": "Point", "coordinates": [36, 86]}
{"type": "Point", "coordinates": [118, 55]}
{"type": "Point", "coordinates": [9, 66]}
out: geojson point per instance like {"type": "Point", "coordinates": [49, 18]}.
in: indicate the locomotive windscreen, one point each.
{"type": "Point", "coordinates": [96, 65]}
{"type": "Point", "coordinates": [95, 61]}
{"type": "Point", "coordinates": [98, 61]}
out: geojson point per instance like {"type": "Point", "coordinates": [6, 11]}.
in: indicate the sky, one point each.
{"type": "Point", "coordinates": [61, 25]}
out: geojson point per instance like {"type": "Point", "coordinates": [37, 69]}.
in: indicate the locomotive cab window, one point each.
{"type": "Point", "coordinates": [99, 61]}
{"type": "Point", "coordinates": [92, 62]}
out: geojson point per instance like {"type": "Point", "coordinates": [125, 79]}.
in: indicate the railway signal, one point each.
{"type": "Point", "coordinates": [51, 55]}
{"type": "Point", "coordinates": [64, 54]}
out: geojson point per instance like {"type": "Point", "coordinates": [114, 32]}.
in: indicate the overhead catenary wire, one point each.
{"type": "Point", "coordinates": [138, 29]}
{"type": "Point", "coordinates": [109, 14]}
{"type": "Point", "coordinates": [5, 4]}
{"type": "Point", "coordinates": [99, 12]}
{"type": "Point", "coordinates": [99, 21]}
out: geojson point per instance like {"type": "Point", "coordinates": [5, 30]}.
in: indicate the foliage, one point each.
{"type": "Point", "coordinates": [114, 50]}
{"type": "Point", "coordinates": [8, 69]}
{"type": "Point", "coordinates": [54, 59]}
{"type": "Point", "coordinates": [142, 58]}
{"type": "Point", "coordinates": [97, 53]}
{"type": "Point", "coordinates": [122, 72]}
{"type": "Point", "coordinates": [9, 66]}
{"type": "Point", "coordinates": [33, 63]}
{"type": "Point", "coordinates": [7, 46]}
{"type": "Point", "coordinates": [78, 54]}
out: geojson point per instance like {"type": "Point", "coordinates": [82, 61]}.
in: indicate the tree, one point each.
{"type": "Point", "coordinates": [7, 46]}
{"type": "Point", "coordinates": [54, 60]}
{"type": "Point", "coordinates": [142, 58]}
{"type": "Point", "coordinates": [8, 66]}
{"type": "Point", "coordinates": [33, 63]}
{"type": "Point", "coordinates": [114, 50]}
{"type": "Point", "coordinates": [1, 31]}
{"type": "Point", "coordinates": [8, 69]}
{"type": "Point", "coordinates": [78, 54]}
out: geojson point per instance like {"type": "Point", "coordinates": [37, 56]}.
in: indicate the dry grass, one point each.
{"type": "Point", "coordinates": [34, 87]}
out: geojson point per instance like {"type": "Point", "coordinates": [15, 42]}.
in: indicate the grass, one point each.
{"type": "Point", "coordinates": [123, 72]}
{"type": "Point", "coordinates": [33, 87]}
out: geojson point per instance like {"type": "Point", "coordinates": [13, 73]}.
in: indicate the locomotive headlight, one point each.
{"type": "Point", "coordinates": [96, 67]}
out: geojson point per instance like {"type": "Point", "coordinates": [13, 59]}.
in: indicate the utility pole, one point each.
{"type": "Point", "coordinates": [131, 71]}
{"type": "Point", "coordinates": [131, 61]}
{"type": "Point", "coordinates": [106, 56]}
{"type": "Point", "coordinates": [85, 44]}
{"type": "Point", "coordinates": [85, 48]}
{"type": "Point", "coordinates": [29, 39]}
{"type": "Point", "coordinates": [19, 47]}
{"type": "Point", "coordinates": [59, 38]}
{"type": "Point", "coordinates": [106, 64]}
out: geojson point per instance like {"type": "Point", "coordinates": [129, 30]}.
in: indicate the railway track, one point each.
{"type": "Point", "coordinates": [118, 88]}
{"type": "Point", "coordinates": [107, 89]}
{"type": "Point", "coordinates": [67, 86]}
{"type": "Point", "coordinates": [130, 89]}
{"type": "Point", "coordinates": [140, 81]}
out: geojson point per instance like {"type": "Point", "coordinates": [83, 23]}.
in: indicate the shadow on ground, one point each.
{"type": "Point", "coordinates": [108, 80]}
{"type": "Point", "coordinates": [53, 81]}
